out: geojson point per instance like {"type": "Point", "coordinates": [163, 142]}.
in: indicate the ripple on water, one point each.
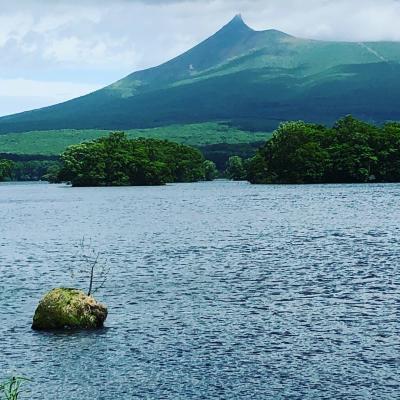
{"type": "Point", "coordinates": [217, 290]}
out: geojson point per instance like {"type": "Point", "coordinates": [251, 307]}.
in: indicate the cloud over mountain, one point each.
{"type": "Point", "coordinates": [97, 41]}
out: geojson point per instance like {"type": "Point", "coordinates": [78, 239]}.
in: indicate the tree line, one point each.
{"type": "Point", "coordinates": [28, 170]}
{"type": "Point", "coordinates": [351, 151]}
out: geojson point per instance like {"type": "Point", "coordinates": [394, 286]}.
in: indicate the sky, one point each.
{"type": "Point", "coordinates": [54, 50]}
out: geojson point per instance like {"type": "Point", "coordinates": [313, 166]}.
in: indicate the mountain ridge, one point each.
{"type": "Point", "coordinates": [242, 76]}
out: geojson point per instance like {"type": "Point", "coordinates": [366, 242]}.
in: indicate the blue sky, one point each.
{"type": "Point", "coordinates": [54, 50]}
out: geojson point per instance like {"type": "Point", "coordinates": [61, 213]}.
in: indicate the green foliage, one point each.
{"type": "Point", "coordinates": [221, 152]}
{"type": "Point", "coordinates": [33, 170]}
{"type": "Point", "coordinates": [6, 167]}
{"type": "Point", "coordinates": [117, 160]}
{"type": "Point", "coordinates": [52, 173]}
{"type": "Point", "coordinates": [65, 308]}
{"type": "Point", "coordinates": [235, 169]}
{"type": "Point", "coordinates": [11, 389]}
{"type": "Point", "coordinates": [352, 151]}
{"type": "Point", "coordinates": [210, 170]}
{"type": "Point", "coordinates": [55, 142]}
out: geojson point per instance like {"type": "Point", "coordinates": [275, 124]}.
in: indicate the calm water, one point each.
{"type": "Point", "coordinates": [217, 291]}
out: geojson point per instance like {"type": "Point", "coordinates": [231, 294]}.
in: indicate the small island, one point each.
{"type": "Point", "coordinates": [68, 309]}
{"type": "Point", "coordinates": [116, 160]}
{"type": "Point", "coordinates": [351, 151]}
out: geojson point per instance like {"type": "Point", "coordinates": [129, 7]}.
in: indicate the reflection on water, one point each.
{"type": "Point", "coordinates": [217, 291]}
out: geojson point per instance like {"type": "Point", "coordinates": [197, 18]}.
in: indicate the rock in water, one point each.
{"type": "Point", "coordinates": [68, 309]}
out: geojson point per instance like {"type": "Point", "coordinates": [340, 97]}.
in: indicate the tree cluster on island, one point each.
{"type": "Point", "coordinates": [351, 151]}
{"type": "Point", "coordinates": [116, 160]}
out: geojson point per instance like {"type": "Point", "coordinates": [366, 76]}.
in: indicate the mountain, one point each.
{"type": "Point", "coordinates": [253, 79]}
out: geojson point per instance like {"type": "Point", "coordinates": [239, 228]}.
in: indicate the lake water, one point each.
{"type": "Point", "coordinates": [217, 290]}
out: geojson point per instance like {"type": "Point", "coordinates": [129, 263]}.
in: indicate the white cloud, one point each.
{"type": "Point", "coordinates": [352, 20]}
{"type": "Point", "coordinates": [127, 35]}
{"type": "Point", "coordinates": [18, 95]}
{"type": "Point", "coordinates": [99, 53]}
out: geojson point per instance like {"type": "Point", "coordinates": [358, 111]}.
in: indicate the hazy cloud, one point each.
{"type": "Point", "coordinates": [37, 94]}
{"type": "Point", "coordinates": [98, 41]}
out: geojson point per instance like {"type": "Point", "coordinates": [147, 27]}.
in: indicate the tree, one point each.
{"type": "Point", "coordinates": [352, 151]}
{"type": "Point", "coordinates": [90, 264]}
{"type": "Point", "coordinates": [6, 167]}
{"type": "Point", "coordinates": [52, 174]}
{"type": "Point", "coordinates": [235, 169]}
{"type": "Point", "coordinates": [293, 155]}
{"type": "Point", "coordinates": [84, 164]}
{"type": "Point", "coordinates": [388, 153]}
{"type": "Point", "coordinates": [210, 170]}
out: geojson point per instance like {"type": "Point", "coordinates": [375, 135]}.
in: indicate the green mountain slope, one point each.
{"type": "Point", "coordinates": [253, 79]}
{"type": "Point", "coordinates": [55, 142]}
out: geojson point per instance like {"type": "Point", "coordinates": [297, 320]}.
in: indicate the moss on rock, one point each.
{"type": "Point", "coordinates": [68, 309]}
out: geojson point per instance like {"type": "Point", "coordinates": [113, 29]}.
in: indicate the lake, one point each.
{"type": "Point", "coordinates": [217, 290]}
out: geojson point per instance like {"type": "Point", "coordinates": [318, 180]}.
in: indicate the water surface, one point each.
{"type": "Point", "coordinates": [217, 291]}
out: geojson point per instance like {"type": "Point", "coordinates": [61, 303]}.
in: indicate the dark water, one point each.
{"type": "Point", "coordinates": [217, 291]}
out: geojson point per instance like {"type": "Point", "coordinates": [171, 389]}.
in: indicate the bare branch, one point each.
{"type": "Point", "coordinates": [91, 265]}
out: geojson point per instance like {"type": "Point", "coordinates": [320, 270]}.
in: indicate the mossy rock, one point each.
{"type": "Point", "coordinates": [68, 309]}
